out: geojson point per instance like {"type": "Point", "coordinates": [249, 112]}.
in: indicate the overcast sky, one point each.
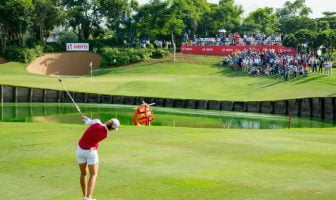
{"type": "Point", "coordinates": [318, 6]}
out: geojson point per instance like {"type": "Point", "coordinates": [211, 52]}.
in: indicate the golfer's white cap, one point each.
{"type": "Point", "coordinates": [115, 124]}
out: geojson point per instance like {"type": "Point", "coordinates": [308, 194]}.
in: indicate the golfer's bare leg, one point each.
{"type": "Point", "coordinates": [93, 169]}
{"type": "Point", "coordinates": [83, 170]}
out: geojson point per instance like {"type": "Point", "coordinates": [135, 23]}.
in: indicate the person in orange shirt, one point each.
{"type": "Point", "coordinates": [143, 115]}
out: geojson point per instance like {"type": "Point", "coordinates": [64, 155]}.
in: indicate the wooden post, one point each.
{"type": "Point", "coordinates": [85, 98]}
{"type": "Point", "coordinates": [286, 107]}
{"type": "Point", "coordinates": [44, 95]}
{"type": "Point", "coordinates": [1, 98]}
{"type": "Point", "coordinates": [2, 93]}
{"type": "Point", "coordinates": [98, 101]}
{"type": "Point", "coordinates": [322, 108]}
{"type": "Point", "coordinates": [59, 93]}
{"type": "Point", "coordinates": [15, 94]}
{"type": "Point", "coordinates": [30, 95]}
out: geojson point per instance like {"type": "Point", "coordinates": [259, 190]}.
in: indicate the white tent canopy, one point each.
{"type": "Point", "coordinates": [222, 30]}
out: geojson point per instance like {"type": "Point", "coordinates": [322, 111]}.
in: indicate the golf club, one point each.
{"type": "Point", "coordinates": [73, 101]}
{"type": "Point", "coordinates": [151, 104]}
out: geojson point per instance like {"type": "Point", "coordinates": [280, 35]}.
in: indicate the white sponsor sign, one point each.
{"type": "Point", "coordinates": [77, 46]}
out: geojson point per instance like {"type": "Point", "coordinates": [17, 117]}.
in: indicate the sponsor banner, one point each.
{"type": "Point", "coordinates": [77, 46]}
{"type": "Point", "coordinates": [228, 50]}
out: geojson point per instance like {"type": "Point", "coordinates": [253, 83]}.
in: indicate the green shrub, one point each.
{"type": "Point", "coordinates": [159, 53]}
{"type": "Point", "coordinates": [122, 56]}
{"type": "Point", "coordinates": [47, 48]}
{"type": "Point", "coordinates": [151, 46]}
{"type": "Point", "coordinates": [25, 55]}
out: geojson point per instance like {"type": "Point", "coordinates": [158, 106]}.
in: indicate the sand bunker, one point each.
{"type": "Point", "coordinates": [2, 61]}
{"type": "Point", "coordinates": [71, 63]}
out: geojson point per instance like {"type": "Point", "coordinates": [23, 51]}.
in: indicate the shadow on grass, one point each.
{"type": "Point", "coordinates": [229, 72]}
{"type": "Point", "coordinates": [100, 71]}
{"type": "Point", "coordinates": [332, 95]}
{"type": "Point", "coordinates": [106, 70]}
{"type": "Point", "coordinates": [303, 80]}
{"type": "Point", "coordinates": [268, 81]}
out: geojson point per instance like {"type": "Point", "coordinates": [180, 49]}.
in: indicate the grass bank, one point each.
{"type": "Point", "coordinates": [38, 162]}
{"type": "Point", "coordinates": [190, 77]}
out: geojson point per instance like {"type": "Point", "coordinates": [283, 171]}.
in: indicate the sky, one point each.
{"type": "Point", "coordinates": [318, 6]}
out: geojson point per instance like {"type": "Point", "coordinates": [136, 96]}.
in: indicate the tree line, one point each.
{"type": "Point", "coordinates": [26, 22]}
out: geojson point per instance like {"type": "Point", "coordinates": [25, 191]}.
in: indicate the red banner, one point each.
{"type": "Point", "coordinates": [228, 50]}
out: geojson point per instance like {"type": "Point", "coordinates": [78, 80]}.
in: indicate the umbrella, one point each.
{"type": "Point", "coordinates": [222, 30]}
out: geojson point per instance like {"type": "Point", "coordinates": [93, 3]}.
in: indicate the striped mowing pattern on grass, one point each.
{"type": "Point", "coordinates": [38, 160]}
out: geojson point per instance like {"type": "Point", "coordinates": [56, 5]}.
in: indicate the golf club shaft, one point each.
{"type": "Point", "coordinates": [73, 101]}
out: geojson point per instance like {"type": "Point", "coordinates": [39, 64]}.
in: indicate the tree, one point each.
{"type": "Point", "coordinates": [323, 38]}
{"type": "Point", "coordinates": [332, 35]}
{"type": "Point", "coordinates": [15, 18]}
{"type": "Point", "coordinates": [294, 16]}
{"type": "Point", "coordinates": [329, 17]}
{"type": "Point", "coordinates": [227, 15]}
{"type": "Point", "coordinates": [45, 19]}
{"type": "Point", "coordinates": [294, 24]}
{"type": "Point", "coordinates": [323, 25]}
{"type": "Point", "coordinates": [262, 20]}
{"type": "Point", "coordinates": [82, 16]}
{"type": "Point", "coordinates": [295, 9]}
{"type": "Point", "coordinates": [151, 19]}
{"type": "Point", "coordinates": [291, 41]}
{"type": "Point", "coordinates": [191, 12]}
{"type": "Point", "coordinates": [207, 25]}
{"type": "Point", "coordinates": [304, 38]}
{"type": "Point", "coordinates": [116, 13]}
{"type": "Point", "coordinates": [174, 24]}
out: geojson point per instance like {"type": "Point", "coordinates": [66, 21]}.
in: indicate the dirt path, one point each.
{"type": "Point", "coordinates": [70, 63]}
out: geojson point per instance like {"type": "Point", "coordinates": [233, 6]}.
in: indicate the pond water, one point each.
{"type": "Point", "coordinates": [66, 113]}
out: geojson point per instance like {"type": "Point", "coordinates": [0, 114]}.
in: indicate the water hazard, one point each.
{"type": "Point", "coordinates": [66, 113]}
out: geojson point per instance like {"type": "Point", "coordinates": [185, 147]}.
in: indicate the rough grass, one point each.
{"type": "Point", "coordinates": [190, 77]}
{"type": "Point", "coordinates": [38, 162]}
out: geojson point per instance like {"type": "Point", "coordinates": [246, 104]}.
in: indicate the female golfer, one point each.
{"type": "Point", "coordinates": [87, 154]}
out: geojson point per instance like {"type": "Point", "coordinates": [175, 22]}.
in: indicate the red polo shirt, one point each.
{"type": "Point", "coordinates": [92, 136]}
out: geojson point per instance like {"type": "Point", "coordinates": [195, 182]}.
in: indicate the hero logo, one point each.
{"type": "Point", "coordinates": [187, 49]}
{"type": "Point", "coordinates": [77, 46]}
{"type": "Point", "coordinates": [207, 49]}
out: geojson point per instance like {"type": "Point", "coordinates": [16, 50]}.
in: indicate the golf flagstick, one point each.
{"type": "Point", "coordinates": [73, 101]}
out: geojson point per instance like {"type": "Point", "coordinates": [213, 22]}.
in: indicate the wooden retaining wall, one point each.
{"type": "Point", "coordinates": [317, 107]}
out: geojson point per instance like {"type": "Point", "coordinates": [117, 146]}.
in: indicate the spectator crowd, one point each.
{"type": "Point", "coordinates": [282, 64]}
{"type": "Point", "coordinates": [235, 39]}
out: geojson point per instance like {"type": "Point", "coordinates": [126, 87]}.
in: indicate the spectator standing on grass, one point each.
{"type": "Point", "coordinates": [328, 67]}
{"type": "Point", "coordinates": [314, 64]}
{"type": "Point", "coordinates": [320, 69]}
{"type": "Point", "coordinates": [305, 66]}
{"type": "Point", "coordinates": [331, 67]}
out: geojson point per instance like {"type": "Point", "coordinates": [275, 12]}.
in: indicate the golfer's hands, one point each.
{"type": "Point", "coordinates": [84, 117]}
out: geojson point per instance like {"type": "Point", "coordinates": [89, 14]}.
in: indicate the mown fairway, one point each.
{"type": "Point", "coordinates": [191, 77]}
{"type": "Point", "coordinates": [38, 161]}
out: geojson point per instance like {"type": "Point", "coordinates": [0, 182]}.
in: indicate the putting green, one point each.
{"type": "Point", "coordinates": [191, 77]}
{"type": "Point", "coordinates": [38, 161]}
